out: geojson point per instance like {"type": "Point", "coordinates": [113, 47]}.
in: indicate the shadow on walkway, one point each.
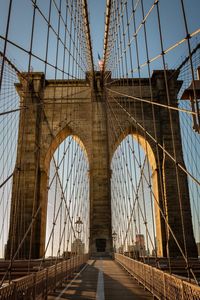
{"type": "Point", "coordinates": [118, 285]}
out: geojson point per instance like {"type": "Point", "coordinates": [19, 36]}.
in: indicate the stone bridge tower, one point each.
{"type": "Point", "coordinates": [85, 115]}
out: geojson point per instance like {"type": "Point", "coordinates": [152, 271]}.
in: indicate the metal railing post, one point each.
{"type": "Point", "coordinates": [46, 284]}
{"type": "Point", "coordinates": [164, 286]}
{"type": "Point", "coordinates": [34, 287]}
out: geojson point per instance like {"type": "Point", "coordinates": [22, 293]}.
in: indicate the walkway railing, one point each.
{"type": "Point", "coordinates": [160, 284]}
{"type": "Point", "coordinates": [38, 285]}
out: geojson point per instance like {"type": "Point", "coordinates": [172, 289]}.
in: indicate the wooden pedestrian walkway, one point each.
{"type": "Point", "coordinates": [101, 279]}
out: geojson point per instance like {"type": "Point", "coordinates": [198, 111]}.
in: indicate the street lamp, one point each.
{"type": "Point", "coordinates": [114, 237]}
{"type": "Point", "coordinates": [78, 226]}
{"type": "Point", "coordinates": [78, 246]}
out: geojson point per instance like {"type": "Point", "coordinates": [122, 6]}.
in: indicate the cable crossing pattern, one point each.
{"type": "Point", "coordinates": [99, 162]}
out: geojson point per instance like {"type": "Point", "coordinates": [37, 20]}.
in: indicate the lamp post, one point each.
{"type": "Point", "coordinates": [78, 229]}
{"type": "Point", "coordinates": [78, 226]}
{"type": "Point", "coordinates": [114, 237]}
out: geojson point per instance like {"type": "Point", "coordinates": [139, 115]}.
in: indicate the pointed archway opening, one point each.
{"type": "Point", "coordinates": [67, 218]}
{"type": "Point", "coordinates": [136, 219]}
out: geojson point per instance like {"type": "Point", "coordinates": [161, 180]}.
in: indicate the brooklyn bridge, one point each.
{"type": "Point", "coordinates": [99, 149]}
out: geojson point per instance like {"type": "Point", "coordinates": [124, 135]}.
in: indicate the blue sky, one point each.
{"type": "Point", "coordinates": [97, 16]}
{"type": "Point", "coordinates": [171, 22]}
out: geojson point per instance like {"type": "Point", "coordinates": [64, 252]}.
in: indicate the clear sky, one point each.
{"type": "Point", "coordinates": [97, 17]}
{"type": "Point", "coordinates": [171, 22]}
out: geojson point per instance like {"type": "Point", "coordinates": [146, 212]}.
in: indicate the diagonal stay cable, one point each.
{"type": "Point", "coordinates": [157, 143]}
{"type": "Point", "coordinates": [157, 202]}
{"type": "Point", "coordinates": [153, 102]}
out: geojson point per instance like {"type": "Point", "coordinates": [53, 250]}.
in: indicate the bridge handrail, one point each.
{"type": "Point", "coordinates": [162, 285]}
{"type": "Point", "coordinates": [39, 284]}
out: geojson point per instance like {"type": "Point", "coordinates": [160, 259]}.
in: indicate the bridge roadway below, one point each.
{"type": "Point", "coordinates": [101, 279]}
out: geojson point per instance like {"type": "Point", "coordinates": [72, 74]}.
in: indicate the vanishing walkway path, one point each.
{"type": "Point", "coordinates": [102, 279]}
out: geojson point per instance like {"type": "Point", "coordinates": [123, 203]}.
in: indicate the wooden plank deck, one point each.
{"type": "Point", "coordinates": [102, 279]}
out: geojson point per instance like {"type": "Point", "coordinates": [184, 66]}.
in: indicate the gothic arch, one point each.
{"type": "Point", "coordinates": [57, 141]}
{"type": "Point", "coordinates": [85, 115]}
{"type": "Point", "coordinates": [149, 149]}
